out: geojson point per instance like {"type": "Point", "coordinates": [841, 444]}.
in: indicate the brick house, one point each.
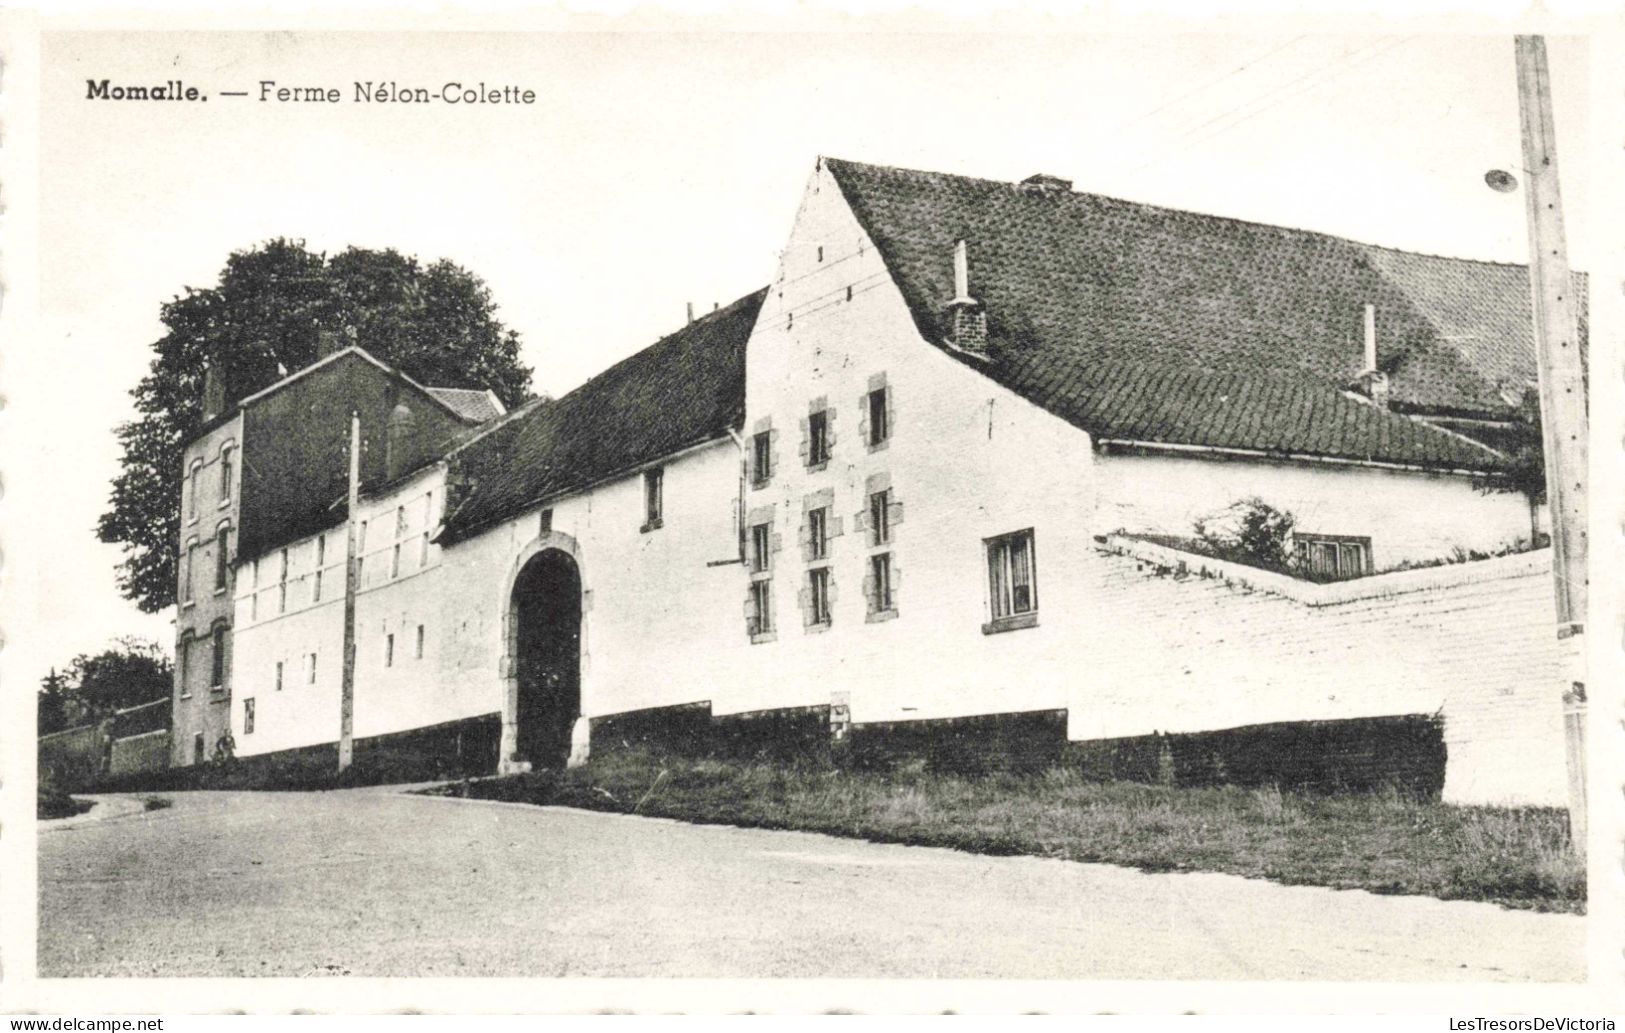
{"type": "Point", "coordinates": [908, 492]}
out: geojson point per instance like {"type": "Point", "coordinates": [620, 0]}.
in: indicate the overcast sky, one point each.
{"type": "Point", "coordinates": [654, 170]}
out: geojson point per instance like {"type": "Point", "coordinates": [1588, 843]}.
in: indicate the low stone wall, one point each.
{"type": "Point", "coordinates": [148, 751]}
{"type": "Point", "coordinates": [1405, 752]}
{"type": "Point", "coordinates": [456, 749]}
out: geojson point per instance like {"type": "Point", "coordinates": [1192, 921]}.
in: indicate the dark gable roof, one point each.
{"type": "Point", "coordinates": [469, 404]}
{"type": "Point", "coordinates": [682, 390]}
{"type": "Point", "coordinates": [1135, 321]}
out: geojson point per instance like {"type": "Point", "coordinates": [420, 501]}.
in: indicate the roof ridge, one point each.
{"type": "Point", "coordinates": [1169, 209]}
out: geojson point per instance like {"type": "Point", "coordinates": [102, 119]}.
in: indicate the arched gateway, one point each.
{"type": "Point", "coordinates": [544, 642]}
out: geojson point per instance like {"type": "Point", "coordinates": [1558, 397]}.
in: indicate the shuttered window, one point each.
{"type": "Point", "coordinates": [1331, 557]}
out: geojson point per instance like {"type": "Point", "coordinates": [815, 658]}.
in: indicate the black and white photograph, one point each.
{"type": "Point", "coordinates": [656, 501]}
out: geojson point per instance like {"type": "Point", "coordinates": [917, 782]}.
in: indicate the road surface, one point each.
{"type": "Point", "coordinates": [377, 883]}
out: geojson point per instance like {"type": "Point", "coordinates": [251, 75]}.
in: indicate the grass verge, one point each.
{"type": "Point", "coordinates": [1381, 842]}
{"type": "Point", "coordinates": [51, 802]}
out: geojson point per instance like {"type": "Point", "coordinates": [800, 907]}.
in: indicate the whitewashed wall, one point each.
{"type": "Point", "coordinates": [1474, 641]}
{"type": "Point", "coordinates": [967, 460]}
{"type": "Point", "coordinates": [277, 623]}
{"type": "Point", "coordinates": [655, 618]}
{"type": "Point", "coordinates": [1408, 515]}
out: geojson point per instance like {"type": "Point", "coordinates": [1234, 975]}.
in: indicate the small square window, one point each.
{"type": "Point", "coordinates": [818, 438]}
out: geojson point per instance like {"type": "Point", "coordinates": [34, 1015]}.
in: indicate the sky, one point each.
{"type": "Point", "coordinates": [659, 169]}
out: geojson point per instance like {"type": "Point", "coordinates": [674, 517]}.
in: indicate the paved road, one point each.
{"type": "Point", "coordinates": [375, 883]}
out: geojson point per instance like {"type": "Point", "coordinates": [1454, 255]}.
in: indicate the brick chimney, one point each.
{"type": "Point", "coordinates": [214, 392]}
{"type": "Point", "coordinates": [967, 319]}
{"type": "Point", "coordinates": [1373, 378]}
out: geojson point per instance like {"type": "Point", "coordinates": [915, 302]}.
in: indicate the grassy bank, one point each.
{"type": "Point", "coordinates": [1385, 843]}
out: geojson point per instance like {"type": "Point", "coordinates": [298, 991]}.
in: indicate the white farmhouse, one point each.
{"type": "Point", "coordinates": [931, 491]}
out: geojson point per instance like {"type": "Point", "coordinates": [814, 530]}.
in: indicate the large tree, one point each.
{"type": "Point", "coordinates": [436, 323]}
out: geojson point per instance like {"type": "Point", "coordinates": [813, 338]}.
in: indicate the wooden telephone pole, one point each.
{"type": "Point", "coordinates": [347, 683]}
{"type": "Point", "coordinates": [1562, 404]}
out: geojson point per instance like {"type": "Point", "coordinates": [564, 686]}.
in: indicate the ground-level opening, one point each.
{"type": "Point", "coordinates": [547, 656]}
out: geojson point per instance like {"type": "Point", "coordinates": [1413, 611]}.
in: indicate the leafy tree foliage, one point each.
{"type": "Point", "coordinates": [131, 672]}
{"type": "Point", "coordinates": [1250, 531]}
{"type": "Point", "coordinates": [274, 302]}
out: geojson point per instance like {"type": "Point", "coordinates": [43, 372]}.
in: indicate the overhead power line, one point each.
{"type": "Point", "coordinates": [1229, 119]}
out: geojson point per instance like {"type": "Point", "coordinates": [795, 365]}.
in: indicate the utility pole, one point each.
{"type": "Point", "coordinates": [347, 684]}
{"type": "Point", "coordinates": [1562, 404]}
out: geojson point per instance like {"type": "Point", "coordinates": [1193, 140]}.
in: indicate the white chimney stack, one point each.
{"type": "Point", "coordinates": [1370, 338]}
{"type": "Point", "coordinates": [961, 273]}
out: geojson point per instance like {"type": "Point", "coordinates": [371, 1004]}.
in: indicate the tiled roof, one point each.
{"type": "Point", "coordinates": [470, 404]}
{"type": "Point", "coordinates": [685, 389]}
{"type": "Point", "coordinates": [1132, 320]}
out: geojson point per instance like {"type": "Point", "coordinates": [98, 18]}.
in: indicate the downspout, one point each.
{"type": "Point", "coordinates": [739, 504]}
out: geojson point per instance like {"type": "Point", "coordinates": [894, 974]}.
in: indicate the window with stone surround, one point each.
{"type": "Point", "coordinates": [878, 416]}
{"type": "Point", "coordinates": [818, 435]}
{"type": "Point", "coordinates": [761, 546]}
{"type": "Point", "coordinates": [222, 556]}
{"type": "Point", "coordinates": [192, 488]}
{"type": "Point", "coordinates": [188, 558]}
{"type": "Point", "coordinates": [818, 598]}
{"type": "Point", "coordinates": [217, 660]}
{"type": "Point", "coordinates": [759, 620]}
{"type": "Point", "coordinates": [226, 452]}
{"type": "Point", "coordinates": [1012, 568]}
{"type": "Point", "coordinates": [762, 443]}
{"type": "Point", "coordinates": [878, 587]}
{"type": "Point", "coordinates": [818, 533]}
